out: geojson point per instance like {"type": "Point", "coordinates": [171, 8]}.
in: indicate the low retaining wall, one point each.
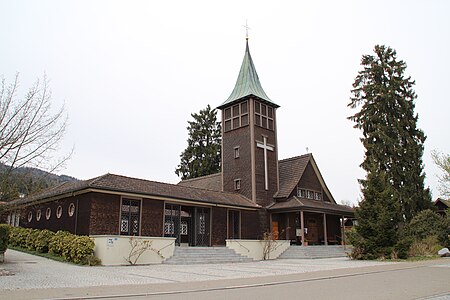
{"type": "Point", "coordinates": [255, 248]}
{"type": "Point", "coordinates": [114, 250]}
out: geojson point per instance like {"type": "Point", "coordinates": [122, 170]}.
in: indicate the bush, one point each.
{"type": "Point", "coordinates": [4, 237]}
{"type": "Point", "coordinates": [425, 247]}
{"type": "Point", "coordinates": [73, 248]}
{"type": "Point", "coordinates": [59, 243]}
{"type": "Point", "coordinates": [32, 239]}
{"type": "Point", "coordinates": [18, 236]}
{"type": "Point", "coordinates": [425, 224]}
{"type": "Point", "coordinates": [43, 240]}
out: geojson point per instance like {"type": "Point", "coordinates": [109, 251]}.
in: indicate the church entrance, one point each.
{"type": "Point", "coordinates": [189, 225]}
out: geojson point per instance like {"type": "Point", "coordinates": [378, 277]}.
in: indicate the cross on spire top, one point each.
{"type": "Point", "coordinates": [246, 30]}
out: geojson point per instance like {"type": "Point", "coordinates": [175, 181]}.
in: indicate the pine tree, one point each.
{"type": "Point", "coordinates": [393, 143]}
{"type": "Point", "coordinates": [202, 155]}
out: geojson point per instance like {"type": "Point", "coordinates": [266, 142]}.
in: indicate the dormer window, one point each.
{"type": "Point", "coordinates": [308, 194]}
{"type": "Point", "coordinates": [301, 193]}
{"type": "Point", "coordinates": [318, 196]}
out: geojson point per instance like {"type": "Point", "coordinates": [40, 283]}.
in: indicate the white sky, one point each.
{"type": "Point", "coordinates": [132, 72]}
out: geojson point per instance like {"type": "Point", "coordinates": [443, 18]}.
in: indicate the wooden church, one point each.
{"type": "Point", "coordinates": [253, 194]}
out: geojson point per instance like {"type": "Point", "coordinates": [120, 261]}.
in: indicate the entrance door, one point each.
{"type": "Point", "coordinates": [187, 224]}
{"type": "Point", "coordinates": [200, 235]}
{"type": "Point", "coordinates": [313, 231]}
{"type": "Point", "coordinates": [234, 224]}
{"type": "Point", "coordinates": [275, 231]}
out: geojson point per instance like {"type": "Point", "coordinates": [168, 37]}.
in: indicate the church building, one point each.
{"type": "Point", "coordinates": [254, 193]}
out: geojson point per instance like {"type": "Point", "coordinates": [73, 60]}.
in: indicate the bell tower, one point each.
{"type": "Point", "coordinates": [249, 138]}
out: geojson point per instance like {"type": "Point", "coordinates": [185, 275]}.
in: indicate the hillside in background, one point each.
{"type": "Point", "coordinates": [25, 181]}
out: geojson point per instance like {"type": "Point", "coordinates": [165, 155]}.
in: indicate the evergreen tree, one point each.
{"type": "Point", "coordinates": [376, 230]}
{"type": "Point", "coordinates": [202, 155]}
{"type": "Point", "coordinates": [393, 143]}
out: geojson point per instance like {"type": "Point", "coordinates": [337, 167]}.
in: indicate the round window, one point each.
{"type": "Point", "coordinates": [48, 213]}
{"type": "Point", "coordinates": [30, 216]}
{"type": "Point", "coordinates": [59, 212]}
{"type": "Point", "coordinates": [38, 215]}
{"type": "Point", "coordinates": [71, 209]}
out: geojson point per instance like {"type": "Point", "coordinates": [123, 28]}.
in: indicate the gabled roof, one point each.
{"type": "Point", "coordinates": [211, 182]}
{"type": "Point", "coordinates": [295, 203]}
{"type": "Point", "coordinates": [443, 201]}
{"type": "Point", "coordinates": [247, 83]}
{"type": "Point", "coordinates": [291, 171]}
{"type": "Point", "coordinates": [140, 187]}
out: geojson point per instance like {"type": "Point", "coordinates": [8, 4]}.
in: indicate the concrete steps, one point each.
{"type": "Point", "coordinates": [312, 252]}
{"type": "Point", "coordinates": [205, 255]}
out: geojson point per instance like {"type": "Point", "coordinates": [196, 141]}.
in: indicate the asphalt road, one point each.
{"type": "Point", "coordinates": [390, 281]}
{"type": "Point", "coordinates": [410, 281]}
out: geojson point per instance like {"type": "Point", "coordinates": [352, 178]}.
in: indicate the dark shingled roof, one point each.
{"type": "Point", "coordinates": [295, 203]}
{"type": "Point", "coordinates": [118, 183]}
{"type": "Point", "coordinates": [211, 182]}
{"type": "Point", "coordinates": [443, 201]}
{"type": "Point", "coordinates": [291, 170]}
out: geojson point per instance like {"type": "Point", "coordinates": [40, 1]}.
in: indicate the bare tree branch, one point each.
{"type": "Point", "coordinates": [30, 130]}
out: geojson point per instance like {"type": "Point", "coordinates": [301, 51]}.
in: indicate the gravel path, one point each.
{"type": "Point", "coordinates": [32, 272]}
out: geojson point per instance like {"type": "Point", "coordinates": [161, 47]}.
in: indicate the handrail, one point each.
{"type": "Point", "coordinates": [168, 245]}
{"type": "Point", "coordinates": [248, 250]}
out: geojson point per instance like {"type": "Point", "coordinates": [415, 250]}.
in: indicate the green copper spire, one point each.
{"type": "Point", "coordinates": [247, 83]}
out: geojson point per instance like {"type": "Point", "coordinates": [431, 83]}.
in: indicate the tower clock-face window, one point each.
{"type": "Point", "coordinates": [236, 116]}
{"type": "Point", "coordinates": [264, 115]}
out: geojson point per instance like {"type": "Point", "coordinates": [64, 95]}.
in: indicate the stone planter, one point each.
{"type": "Point", "coordinates": [2, 257]}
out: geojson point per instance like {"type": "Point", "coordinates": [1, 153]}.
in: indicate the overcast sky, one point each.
{"type": "Point", "coordinates": [131, 72]}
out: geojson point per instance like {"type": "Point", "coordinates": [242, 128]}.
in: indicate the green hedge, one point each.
{"type": "Point", "coordinates": [74, 248]}
{"type": "Point", "coordinates": [4, 237]}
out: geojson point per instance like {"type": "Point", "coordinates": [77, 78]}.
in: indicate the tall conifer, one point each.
{"type": "Point", "coordinates": [202, 155]}
{"type": "Point", "coordinates": [393, 143]}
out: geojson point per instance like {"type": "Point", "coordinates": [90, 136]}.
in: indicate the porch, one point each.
{"type": "Point", "coordinates": [309, 228]}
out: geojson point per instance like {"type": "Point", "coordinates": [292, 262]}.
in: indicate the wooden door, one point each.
{"type": "Point", "coordinates": [275, 230]}
{"type": "Point", "coordinates": [313, 231]}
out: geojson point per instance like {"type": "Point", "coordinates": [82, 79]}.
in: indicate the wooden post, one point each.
{"type": "Point", "coordinates": [302, 227]}
{"type": "Point", "coordinates": [325, 229]}
{"type": "Point", "coordinates": [343, 231]}
{"type": "Point", "coordinates": [286, 228]}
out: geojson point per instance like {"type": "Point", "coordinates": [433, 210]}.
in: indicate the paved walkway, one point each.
{"type": "Point", "coordinates": [33, 272]}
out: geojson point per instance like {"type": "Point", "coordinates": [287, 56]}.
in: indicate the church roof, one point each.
{"type": "Point", "coordinates": [209, 182]}
{"type": "Point", "coordinates": [247, 83]}
{"type": "Point", "coordinates": [291, 171]}
{"type": "Point", "coordinates": [295, 203]}
{"type": "Point", "coordinates": [139, 187]}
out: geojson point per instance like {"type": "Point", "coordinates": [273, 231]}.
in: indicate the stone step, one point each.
{"type": "Point", "coordinates": [205, 255]}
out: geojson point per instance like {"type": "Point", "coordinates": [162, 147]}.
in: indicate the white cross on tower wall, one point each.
{"type": "Point", "coordinates": [263, 145]}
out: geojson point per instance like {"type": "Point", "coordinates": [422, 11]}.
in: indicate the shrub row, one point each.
{"type": "Point", "coordinates": [74, 248]}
